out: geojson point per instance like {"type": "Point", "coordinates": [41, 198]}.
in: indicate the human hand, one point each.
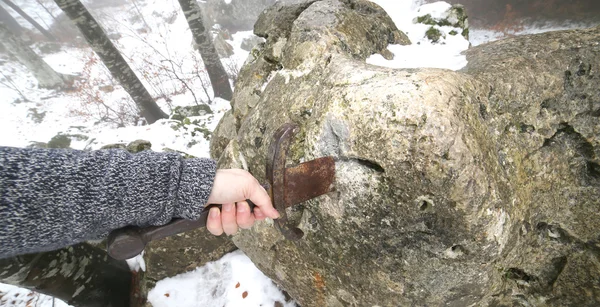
{"type": "Point", "coordinates": [231, 188]}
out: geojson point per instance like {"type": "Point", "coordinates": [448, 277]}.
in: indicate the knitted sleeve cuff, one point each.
{"type": "Point", "coordinates": [195, 184]}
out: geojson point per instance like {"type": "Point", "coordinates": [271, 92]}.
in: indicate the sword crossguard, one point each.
{"type": "Point", "coordinates": [276, 176]}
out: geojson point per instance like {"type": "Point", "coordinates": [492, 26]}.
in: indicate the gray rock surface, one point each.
{"type": "Point", "coordinates": [471, 188]}
{"type": "Point", "coordinates": [184, 252]}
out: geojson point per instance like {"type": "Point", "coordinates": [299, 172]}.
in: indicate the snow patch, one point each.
{"type": "Point", "coordinates": [11, 296]}
{"type": "Point", "coordinates": [136, 263]}
{"type": "Point", "coordinates": [231, 281]}
{"type": "Point", "coordinates": [422, 52]}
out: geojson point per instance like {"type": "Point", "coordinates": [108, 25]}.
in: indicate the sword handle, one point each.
{"type": "Point", "coordinates": [130, 241]}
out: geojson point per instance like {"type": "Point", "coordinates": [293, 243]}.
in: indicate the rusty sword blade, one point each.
{"type": "Point", "coordinates": [309, 180]}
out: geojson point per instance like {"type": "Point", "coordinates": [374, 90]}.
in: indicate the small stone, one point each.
{"type": "Point", "coordinates": [387, 54]}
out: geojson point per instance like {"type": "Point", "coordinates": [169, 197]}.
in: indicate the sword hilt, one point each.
{"type": "Point", "coordinates": [128, 242]}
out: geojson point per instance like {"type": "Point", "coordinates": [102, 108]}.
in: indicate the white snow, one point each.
{"type": "Point", "coordinates": [161, 53]}
{"type": "Point", "coordinates": [230, 282]}
{"type": "Point", "coordinates": [422, 52]}
{"type": "Point", "coordinates": [137, 263]}
{"type": "Point", "coordinates": [11, 296]}
{"type": "Point", "coordinates": [448, 53]}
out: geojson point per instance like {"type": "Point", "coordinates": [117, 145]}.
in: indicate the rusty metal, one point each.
{"type": "Point", "coordinates": [276, 160]}
{"type": "Point", "coordinates": [286, 187]}
{"type": "Point", "coordinates": [308, 180]}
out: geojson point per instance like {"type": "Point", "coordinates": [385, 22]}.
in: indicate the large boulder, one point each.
{"type": "Point", "coordinates": [479, 187]}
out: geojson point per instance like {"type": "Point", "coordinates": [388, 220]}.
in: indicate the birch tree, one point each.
{"type": "Point", "coordinates": [81, 275]}
{"type": "Point", "coordinates": [45, 75]}
{"type": "Point", "coordinates": [216, 73]}
{"type": "Point", "coordinates": [112, 58]}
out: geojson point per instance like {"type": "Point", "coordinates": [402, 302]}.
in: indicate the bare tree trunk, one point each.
{"type": "Point", "coordinates": [30, 20]}
{"type": "Point", "coordinates": [112, 58]}
{"type": "Point", "coordinates": [81, 275]}
{"type": "Point", "coordinates": [45, 75]}
{"type": "Point", "coordinates": [10, 22]}
{"type": "Point", "coordinates": [214, 67]}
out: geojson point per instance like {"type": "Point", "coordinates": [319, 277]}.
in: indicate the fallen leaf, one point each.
{"type": "Point", "coordinates": [167, 294]}
{"type": "Point", "coordinates": [244, 294]}
{"type": "Point", "coordinates": [238, 285]}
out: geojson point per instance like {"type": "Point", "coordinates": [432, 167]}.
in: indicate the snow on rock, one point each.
{"type": "Point", "coordinates": [231, 281]}
{"type": "Point", "coordinates": [445, 53]}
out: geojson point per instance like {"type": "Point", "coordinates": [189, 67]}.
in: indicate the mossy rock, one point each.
{"type": "Point", "coordinates": [138, 146]}
{"type": "Point", "coordinates": [180, 113]}
{"type": "Point", "coordinates": [60, 141]}
{"type": "Point", "coordinates": [434, 34]}
{"type": "Point", "coordinates": [206, 133]}
{"type": "Point", "coordinates": [455, 16]}
{"type": "Point", "coordinates": [426, 20]}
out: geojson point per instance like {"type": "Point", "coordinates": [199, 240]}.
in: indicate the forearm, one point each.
{"type": "Point", "coordinates": [53, 198]}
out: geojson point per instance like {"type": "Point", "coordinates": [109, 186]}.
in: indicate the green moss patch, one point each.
{"type": "Point", "coordinates": [433, 34]}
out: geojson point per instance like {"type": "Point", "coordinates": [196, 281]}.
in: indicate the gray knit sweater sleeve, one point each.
{"type": "Point", "coordinates": [51, 198]}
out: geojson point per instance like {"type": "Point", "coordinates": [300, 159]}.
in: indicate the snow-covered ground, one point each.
{"type": "Point", "coordinates": [234, 278]}
{"type": "Point", "coordinates": [159, 48]}
{"type": "Point", "coordinates": [422, 52]}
